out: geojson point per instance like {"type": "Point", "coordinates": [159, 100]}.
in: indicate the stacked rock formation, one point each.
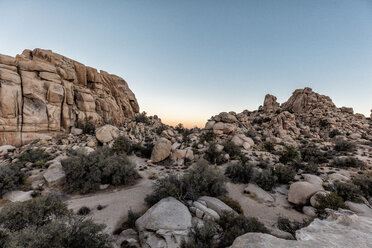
{"type": "Point", "coordinates": [45, 94]}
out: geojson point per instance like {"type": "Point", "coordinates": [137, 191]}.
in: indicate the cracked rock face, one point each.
{"type": "Point", "coordinates": [45, 94]}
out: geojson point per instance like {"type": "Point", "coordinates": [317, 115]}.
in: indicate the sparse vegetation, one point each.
{"type": "Point", "coordinates": [348, 162]}
{"type": "Point", "coordinates": [235, 205]}
{"type": "Point", "coordinates": [334, 133]}
{"type": "Point", "coordinates": [36, 156]}
{"type": "Point", "coordinates": [201, 236]}
{"type": "Point", "coordinates": [291, 227]}
{"type": "Point", "coordinates": [284, 173]}
{"type": "Point", "coordinates": [344, 146]}
{"type": "Point", "coordinates": [83, 211]}
{"type": "Point", "coordinates": [233, 150]}
{"type": "Point", "coordinates": [239, 172]}
{"type": "Point", "coordinates": [142, 118]}
{"type": "Point", "coordinates": [265, 179]}
{"type": "Point", "coordinates": [85, 173]}
{"type": "Point", "coordinates": [364, 182]}
{"type": "Point", "coordinates": [130, 222]}
{"type": "Point", "coordinates": [122, 145]}
{"type": "Point", "coordinates": [348, 191]}
{"type": "Point", "coordinates": [207, 137]}
{"type": "Point", "coordinates": [143, 151]}
{"type": "Point", "coordinates": [87, 126]}
{"type": "Point", "coordinates": [313, 154]}
{"type": "Point", "coordinates": [10, 178]}
{"type": "Point", "coordinates": [202, 179]}
{"type": "Point", "coordinates": [290, 154]}
{"type": "Point", "coordinates": [213, 155]}
{"type": "Point", "coordinates": [268, 146]}
{"type": "Point", "coordinates": [331, 200]}
{"type": "Point", "coordinates": [234, 225]}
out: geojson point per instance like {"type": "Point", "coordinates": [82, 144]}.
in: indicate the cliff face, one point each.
{"type": "Point", "coordinates": [44, 94]}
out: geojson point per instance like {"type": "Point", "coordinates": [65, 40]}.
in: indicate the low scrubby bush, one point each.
{"type": "Point", "coordinates": [10, 178]}
{"type": "Point", "coordinates": [234, 225]}
{"type": "Point", "coordinates": [130, 222]}
{"type": "Point", "coordinates": [207, 137]}
{"type": "Point", "coordinates": [235, 205]}
{"type": "Point", "coordinates": [348, 162]}
{"type": "Point", "coordinates": [85, 173]}
{"type": "Point", "coordinates": [291, 227]}
{"type": "Point", "coordinates": [284, 173]}
{"type": "Point", "coordinates": [344, 146]}
{"type": "Point", "coordinates": [122, 145]}
{"type": "Point", "coordinates": [202, 179]}
{"type": "Point", "coordinates": [36, 156]}
{"type": "Point", "coordinates": [364, 182]}
{"type": "Point", "coordinates": [312, 154]}
{"type": "Point", "coordinates": [269, 146]}
{"type": "Point", "coordinates": [201, 236]}
{"type": "Point", "coordinates": [265, 179]}
{"type": "Point", "coordinates": [331, 200]}
{"type": "Point", "coordinates": [143, 151]}
{"type": "Point", "coordinates": [239, 172]}
{"type": "Point", "coordinates": [348, 191]}
{"type": "Point", "coordinates": [213, 155]}
{"type": "Point", "coordinates": [290, 154]}
{"type": "Point", "coordinates": [88, 126]}
{"type": "Point", "coordinates": [334, 133]}
{"type": "Point", "coordinates": [233, 150]}
{"type": "Point", "coordinates": [142, 118]}
{"type": "Point", "coordinates": [83, 211]}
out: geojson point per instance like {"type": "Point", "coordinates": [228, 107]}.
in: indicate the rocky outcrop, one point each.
{"type": "Point", "coordinates": [44, 94]}
{"type": "Point", "coordinates": [161, 150]}
{"type": "Point", "coordinates": [270, 104]}
{"type": "Point", "coordinates": [342, 229]}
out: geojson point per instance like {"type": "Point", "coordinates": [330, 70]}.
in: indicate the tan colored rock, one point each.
{"type": "Point", "coordinates": [44, 94]}
{"type": "Point", "coordinates": [300, 192]}
{"type": "Point", "coordinates": [107, 133]}
{"type": "Point", "coordinates": [161, 150]}
{"type": "Point", "coordinates": [270, 104]}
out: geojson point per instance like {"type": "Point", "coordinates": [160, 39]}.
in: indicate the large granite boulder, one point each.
{"type": "Point", "coordinates": [166, 224]}
{"type": "Point", "coordinates": [301, 192]}
{"type": "Point", "coordinates": [43, 94]}
{"type": "Point", "coordinates": [161, 150]}
{"type": "Point", "coordinates": [107, 133]}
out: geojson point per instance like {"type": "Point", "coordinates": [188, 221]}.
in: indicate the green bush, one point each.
{"type": "Point", "coordinates": [213, 155]}
{"type": "Point", "coordinates": [312, 154]}
{"type": "Point", "coordinates": [37, 212]}
{"type": "Point", "coordinates": [130, 222]}
{"type": "Point", "coordinates": [233, 150]}
{"type": "Point", "coordinates": [348, 191]}
{"type": "Point", "coordinates": [291, 227]}
{"type": "Point", "coordinates": [348, 162]}
{"type": "Point", "coordinates": [284, 173]}
{"type": "Point", "coordinates": [290, 154]}
{"type": "Point", "coordinates": [85, 173]}
{"type": "Point", "coordinates": [143, 151]}
{"type": "Point", "coordinates": [364, 182]}
{"type": "Point", "coordinates": [36, 156]}
{"type": "Point", "coordinates": [88, 126]}
{"type": "Point", "coordinates": [83, 211]}
{"type": "Point", "coordinates": [344, 146]}
{"type": "Point", "coordinates": [234, 225]}
{"type": "Point", "coordinates": [239, 172]}
{"type": "Point", "coordinates": [331, 200]}
{"type": "Point", "coordinates": [71, 233]}
{"type": "Point", "coordinates": [268, 146]}
{"type": "Point", "coordinates": [311, 168]}
{"type": "Point", "coordinates": [202, 179]}
{"type": "Point", "coordinates": [265, 179]}
{"type": "Point", "coordinates": [207, 136]}
{"type": "Point", "coordinates": [122, 145]}
{"type": "Point", "coordinates": [10, 178]}
{"type": "Point", "coordinates": [201, 236]}
{"type": "Point", "coordinates": [142, 118]}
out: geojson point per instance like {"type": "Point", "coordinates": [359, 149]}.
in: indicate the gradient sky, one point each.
{"type": "Point", "coordinates": [189, 60]}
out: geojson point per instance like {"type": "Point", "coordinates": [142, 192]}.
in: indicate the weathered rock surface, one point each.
{"type": "Point", "coordinates": [43, 93]}
{"type": "Point", "coordinates": [165, 224]}
{"type": "Point", "coordinates": [300, 192]}
{"type": "Point", "coordinates": [161, 150]}
{"type": "Point", "coordinates": [107, 133]}
{"type": "Point", "coordinates": [341, 230]}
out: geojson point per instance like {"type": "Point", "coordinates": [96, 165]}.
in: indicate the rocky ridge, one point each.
{"type": "Point", "coordinates": [44, 94]}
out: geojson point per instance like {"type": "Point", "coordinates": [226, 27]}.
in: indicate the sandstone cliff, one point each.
{"type": "Point", "coordinates": [43, 93]}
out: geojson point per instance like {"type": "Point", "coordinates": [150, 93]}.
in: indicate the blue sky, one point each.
{"type": "Point", "coordinates": [189, 60]}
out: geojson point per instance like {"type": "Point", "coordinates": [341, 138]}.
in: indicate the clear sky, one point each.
{"type": "Point", "coordinates": [188, 60]}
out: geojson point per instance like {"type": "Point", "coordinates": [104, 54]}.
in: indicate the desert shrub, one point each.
{"type": "Point", "coordinates": [265, 179]}
{"type": "Point", "coordinates": [142, 117]}
{"type": "Point", "coordinates": [207, 136]}
{"type": "Point", "coordinates": [290, 154]}
{"type": "Point", "coordinates": [323, 123]}
{"type": "Point", "coordinates": [3, 238]}
{"type": "Point", "coordinates": [312, 153]}
{"type": "Point", "coordinates": [331, 200]}
{"type": "Point", "coordinates": [348, 191]}
{"type": "Point", "coordinates": [202, 179]}
{"type": "Point", "coordinates": [311, 168]}
{"type": "Point", "coordinates": [291, 227]}
{"type": "Point", "coordinates": [239, 172]}
{"type": "Point", "coordinates": [251, 133]}
{"type": "Point", "coordinates": [213, 155]}
{"type": "Point", "coordinates": [201, 236]}
{"type": "Point", "coordinates": [348, 162]}
{"type": "Point", "coordinates": [143, 151]}
{"type": "Point", "coordinates": [334, 133]}
{"type": "Point", "coordinates": [364, 182]}
{"type": "Point", "coordinates": [83, 211]}
{"type": "Point", "coordinates": [344, 146]}
{"type": "Point", "coordinates": [284, 173]}
{"type": "Point", "coordinates": [235, 205]}
{"type": "Point", "coordinates": [269, 146]}
{"type": "Point", "coordinates": [88, 126]}
{"type": "Point", "coordinates": [129, 223]}
{"type": "Point", "coordinates": [71, 233]}
{"type": "Point", "coordinates": [10, 178]}
{"type": "Point", "coordinates": [38, 211]}
{"type": "Point", "coordinates": [122, 145]}
{"type": "Point", "coordinates": [36, 156]}
{"type": "Point", "coordinates": [234, 225]}
{"type": "Point", "coordinates": [160, 129]}
{"type": "Point", "coordinates": [85, 173]}
{"type": "Point", "coordinates": [233, 150]}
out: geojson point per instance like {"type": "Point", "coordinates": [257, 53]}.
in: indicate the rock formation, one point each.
{"type": "Point", "coordinates": [44, 94]}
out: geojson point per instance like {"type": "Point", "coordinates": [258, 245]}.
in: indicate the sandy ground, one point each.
{"type": "Point", "coordinates": [117, 202]}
